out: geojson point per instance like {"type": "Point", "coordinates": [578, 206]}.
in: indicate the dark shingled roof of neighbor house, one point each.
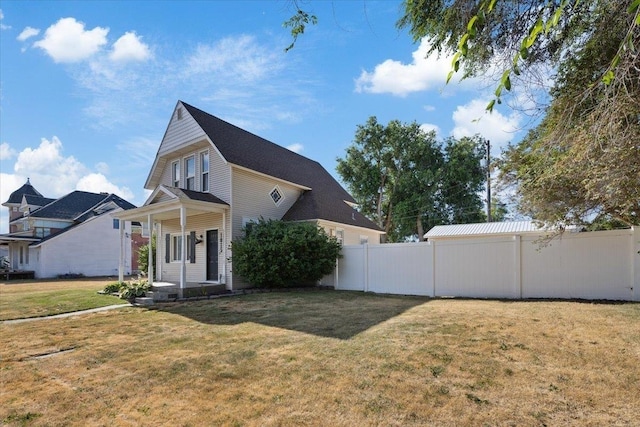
{"type": "Point", "coordinates": [326, 199]}
{"type": "Point", "coordinates": [26, 189]}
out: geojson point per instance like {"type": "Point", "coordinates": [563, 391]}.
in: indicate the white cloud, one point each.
{"type": "Point", "coordinates": [3, 26]}
{"type": "Point", "coordinates": [98, 183]}
{"type": "Point", "coordinates": [27, 33]}
{"type": "Point", "coordinates": [8, 184]}
{"type": "Point", "coordinates": [472, 118]}
{"type": "Point", "coordinates": [400, 79]}
{"type": "Point", "coordinates": [296, 148]}
{"type": "Point", "coordinates": [6, 152]}
{"type": "Point", "coordinates": [238, 58]}
{"type": "Point", "coordinates": [428, 127]}
{"type": "Point", "coordinates": [429, 108]}
{"type": "Point", "coordinates": [129, 47]}
{"type": "Point", "coordinates": [102, 167]}
{"type": "Point", "coordinates": [54, 175]}
{"type": "Point", "coordinates": [68, 41]}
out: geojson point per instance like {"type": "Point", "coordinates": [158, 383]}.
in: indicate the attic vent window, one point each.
{"type": "Point", "coordinates": [179, 113]}
{"type": "Point", "coordinates": [276, 195]}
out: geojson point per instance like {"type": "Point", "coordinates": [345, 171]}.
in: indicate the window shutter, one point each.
{"type": "Point", "coordinates": [192, 244]}
{"type": "Point", "coordinates": [167, 248]}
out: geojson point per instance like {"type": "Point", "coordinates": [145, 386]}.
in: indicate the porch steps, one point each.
{"type": "Point", "coordinates": [144, 301]}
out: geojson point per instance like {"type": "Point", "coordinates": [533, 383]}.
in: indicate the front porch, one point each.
{"type": "Point", "coordinates": [190, 230]}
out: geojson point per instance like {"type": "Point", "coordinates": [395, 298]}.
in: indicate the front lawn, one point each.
{"type": "Point", "coordinates": [35, 298]}
{"type": "Point", "coordinates": [327, 358]}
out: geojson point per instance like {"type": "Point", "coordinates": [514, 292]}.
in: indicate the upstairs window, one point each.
{"type": "Point", "coordinates": [276, 195]}
{"type": "Point", "coordinates": [116, 223]}
{"type": "Point", "coordinates": [175, 174]}
{"type": "Point", "coordinates": [190, 172]}
{"type": "Point", "coordinates": [204, 167]}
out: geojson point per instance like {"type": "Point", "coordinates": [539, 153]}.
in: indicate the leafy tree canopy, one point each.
{"type": "Point", "coordinates": [581, 164]}
{"type": "Point", "coordinates": [407, 181]}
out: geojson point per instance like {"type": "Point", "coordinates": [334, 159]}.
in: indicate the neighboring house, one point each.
{"type": "Point", "coordinates": [211, 178]}
{"type": "Point", "coordinates": [74, 234]}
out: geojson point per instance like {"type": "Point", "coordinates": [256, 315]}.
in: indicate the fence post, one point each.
{"type": "Point", "coordinates": [433, 263]}
{"type": "Point", "coordinates": [517, 264]}
{"type": "Point", "coordinates": [635, 264]}
{"type": "Point", "coordinates": [365, 263]}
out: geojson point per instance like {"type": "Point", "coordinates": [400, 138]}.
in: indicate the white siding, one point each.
{"type": "Point", "coordinates": [352, 235]}
{"type": "Point", "coordinates": [219, 176]}
{"type": "Point", "coordinates": [92, 248]}
{"type": "Point", "coordinates": [196, 272]}
{"type": "Point", "coordinates": [251, 198]}
{"type": "Point", "coordinates": [180, 132]}
{"type": "Point", "coordinates": [219, 173]}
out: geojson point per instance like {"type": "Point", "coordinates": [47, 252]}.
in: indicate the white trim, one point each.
{"type": "Point", "coordinates": [276, 190]}
{"type": "Point", "coordinates": [202, 171]}
{"type": "Point", "coordinates": [185, 161]}
{"type": "Point", "coordinates": [176, 174]}
{"type": "Point", "coordinates": [206, 254]}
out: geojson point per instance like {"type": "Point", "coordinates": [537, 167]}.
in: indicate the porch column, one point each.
{"type": "Point", "coordinates": [224, 250]}
{"type": "Point", "coordinates": [150, 253]}
{"type": "Point", "coordinates": [122, 251]}
{"type": "Point", "coordinates": [183, 261]}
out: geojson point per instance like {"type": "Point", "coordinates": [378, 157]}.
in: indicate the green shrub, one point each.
{"type": "Point", "coordinates": [283, 254]}
{"type": "Point", "coordinates": [114, 287]}
{"type": "Point", "coordinates": [135, 289]}
{"type": "Point", "coordinates": [143, 255]}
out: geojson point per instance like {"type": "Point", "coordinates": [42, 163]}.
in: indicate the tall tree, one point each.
{"type": "Point", "coordinates": [583, 160]}
{"type": "Point", "coordinates": [407, 181]}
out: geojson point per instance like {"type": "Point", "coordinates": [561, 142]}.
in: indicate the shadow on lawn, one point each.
{"type": "Point", "coordinates": [333, 314]}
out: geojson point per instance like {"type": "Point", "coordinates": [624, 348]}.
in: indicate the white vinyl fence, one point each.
{"type": "Point", "coordinates": [594, 265]}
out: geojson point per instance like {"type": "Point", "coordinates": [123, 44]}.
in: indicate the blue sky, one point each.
{"type": "Point", "coordinates": [87, 87]}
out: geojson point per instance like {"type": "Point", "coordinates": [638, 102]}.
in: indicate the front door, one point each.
{"type": "Point", "coordinates": [212, 255]}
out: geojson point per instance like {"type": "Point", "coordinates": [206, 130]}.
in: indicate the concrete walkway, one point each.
{"type": "Point", "coordinates": [62, 315]}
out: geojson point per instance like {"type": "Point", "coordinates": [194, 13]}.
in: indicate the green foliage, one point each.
{"type": "Point", "coordinates": [407, 181]}
{"type": "Point", "coordinates": [132, 290]}
{"type": "Point", "coordinates": [114, 287]}
{"type": "Point", "coordinates": [143, 255]}
{"type": "Point", "coordinates": [284, 254]}
{"type": "Point", "coordinates": [298, 23]}
{"type": "Point", "coordinates": [582, 161]}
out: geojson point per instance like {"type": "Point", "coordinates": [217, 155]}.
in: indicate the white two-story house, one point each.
{"type": "Point", "coordinates": [210, 178]}
{"type": "Point", "coordinates": [72, 235]}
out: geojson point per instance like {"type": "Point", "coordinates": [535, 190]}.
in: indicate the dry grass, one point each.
{"type": "Point", "coordinates": [327, 358]}
{"type": "Point", "coordinates": [35, 298]}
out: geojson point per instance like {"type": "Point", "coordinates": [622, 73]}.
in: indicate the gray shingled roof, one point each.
{"type": "Point", "coordinates": [325, 200]}
{"type": "Point", "coordinates": [26, 189]}
{"type": "Point", "coordinates": [77, 203]}
{"type": "Point", "coordinates": [34, 200]}
{"type": "Point", "coordinates": [196, 195]}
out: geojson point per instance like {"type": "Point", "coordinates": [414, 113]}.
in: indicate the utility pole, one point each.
{"type": "Point", "coordinates": [488, 143]}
